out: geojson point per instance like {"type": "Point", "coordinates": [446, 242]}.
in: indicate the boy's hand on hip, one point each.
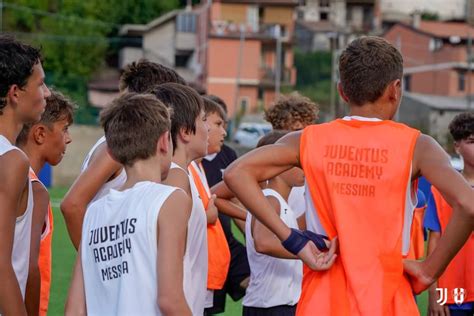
{"type": "Point", "coordinates": [317, 260]}
{"type": "Point", "coordinates": [418, 278]}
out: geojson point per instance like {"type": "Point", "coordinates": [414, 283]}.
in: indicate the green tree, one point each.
{"type": "Point", "coordinates": [76, 35]}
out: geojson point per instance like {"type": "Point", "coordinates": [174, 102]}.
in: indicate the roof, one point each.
{"type": "Point", "coordinates": [446, 29]}
{"type": "Point", "coordinates": [440, 102]}
{"type": "Point", "coordinates": [139, 29]}
{"type": "Point", "coordinates": [264, 2]}
{"type": "Point", "coordinates": [440, 29]}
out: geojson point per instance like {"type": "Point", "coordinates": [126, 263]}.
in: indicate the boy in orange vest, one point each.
{"type": "Point", "coordinates": [453, 293]}
{"type": "Point", "coordinates": [217, 247]}
{"type": "Point", "coordinates": [44, 142]}
{"type": "Point", "coordinates": [360, 172]}
{"type": "Point", "coordinates": [101, 172]}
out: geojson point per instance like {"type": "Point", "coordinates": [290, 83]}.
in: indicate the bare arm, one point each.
{"type": "Point", "coordinates": [101, 169]}
{"type": "Point", "coordinates": [243, 177]}
{"type": "Point", "coordinates": [33, 285]}
{"type": "Point", "coordinates": [76, 299]}
{"type": "Point", "coordinates": [226, 202]}
{"type": "Point", "coordinates": [265, 241]}
{"type": "Point", "coordinates": [431, 161]}
{"type": "Point", "coordinates": [172, 230]}
{"type": "Point", "coordinates": [14, 175]}
{"type": "Point", "coordinates": [230, 209]}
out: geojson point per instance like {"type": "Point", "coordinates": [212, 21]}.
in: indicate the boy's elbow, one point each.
{"type": "Point", "coordinates": [466, 204]}
{"type": "Point", "coordinates": [261, 246]}
{"type": "Point", "coordinates": [69, 206]}
{"type": "Point", "coordinates": [170, 305]}
{"type": "Point", "coordinates": [230, 174]}
{"type": "Point", "coordinates": [71, 309]}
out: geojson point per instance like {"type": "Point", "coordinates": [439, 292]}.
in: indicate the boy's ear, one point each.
{"type": "Point", "coordinates": [164, 143]}
{"type": "Point", "coordinates": [394, 90]}
{"type": "Point", "coordinates": [39, 133]}
{"type": "Point", "coordinates": [185, 135]}
{"type": "Point", "coordinates": [341, 92]}
{"type": "Point", "coordinates": [12, 93]}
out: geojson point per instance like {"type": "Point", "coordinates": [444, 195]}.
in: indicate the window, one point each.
{"type": "Point", "coordinates": [244, 104]}
{"type": "Point", "coordinates": [186, 22]}
{"type": "Point", "coordinates": [461, 81]}
{"type": "Point", "coordinates": [181, 60]}
{"type": "Point", "coordinates": [407, 83]}
{"type": "Point", "coordinates": [324, 3]}
{"type": "Point", "coordinates": [323, 16]}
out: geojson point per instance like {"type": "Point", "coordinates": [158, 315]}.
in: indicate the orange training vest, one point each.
{"type": "Point", "coordinates": [44, 259]}
{"type": "Point", "coordinates": [357, 173]}
{"type": "Point", "coordinates": [460, 271]}
{"type": "Point", "coordinates": [218, 259]}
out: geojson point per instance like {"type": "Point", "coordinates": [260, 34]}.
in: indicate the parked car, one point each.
{"type": "Point", "coordinates": [248, 134]}
{"type": "Point", "coordinates": [457, 163]}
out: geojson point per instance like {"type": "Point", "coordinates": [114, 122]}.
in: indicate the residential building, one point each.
{"type": "Point", "coordinates": [323, 25]}
{"type": "Point", "coordinates": [242, 60]}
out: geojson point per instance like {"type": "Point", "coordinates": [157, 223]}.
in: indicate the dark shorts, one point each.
{"type": "Point", "coordinates": [282, 310]}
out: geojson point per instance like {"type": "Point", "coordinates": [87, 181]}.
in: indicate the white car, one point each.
{"type": "Point", "coordinates": [248, 134]}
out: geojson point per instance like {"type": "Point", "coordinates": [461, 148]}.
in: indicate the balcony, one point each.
{"type": "Point", "coordinates": [220, 28]}
{"type": "Point", "coordinates": [268, 76]}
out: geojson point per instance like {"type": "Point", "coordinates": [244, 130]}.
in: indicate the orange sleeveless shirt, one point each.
{"type": "Point", "coordinates": [218, 259]}
{"type": "Point", "coordinates": [358, 174]}
{"type": "Point", "coordinates": [460, 271]}
{"type": "Point", "coordinates": [44, 259]}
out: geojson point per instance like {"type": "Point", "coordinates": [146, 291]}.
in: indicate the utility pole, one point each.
{"type": "Point", "coordinates": [239, 67]}
{"type": "Point", "coordinates": [1, 16]}
{"type": "Point", "coordinates": [278, 61]}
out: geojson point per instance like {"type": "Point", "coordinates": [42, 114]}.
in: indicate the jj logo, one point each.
{"type": "Point", "coordinates": [459, 294]}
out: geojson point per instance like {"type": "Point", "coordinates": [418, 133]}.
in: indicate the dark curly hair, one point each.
{"type": "Point", "coordinates": [16, 65]}
{"type": "Point", "coordinates": [462, 126]}
{"type": "Point", "coordinates": [141, 76]}
{"type": "Point", "coordinates": [291, 109]}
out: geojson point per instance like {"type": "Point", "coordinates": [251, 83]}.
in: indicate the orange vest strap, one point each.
{"type": "Point", "coordinates": [218, 249]}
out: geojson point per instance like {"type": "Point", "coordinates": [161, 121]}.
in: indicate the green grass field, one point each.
{"type": "Point", "coordinates": [64, 256]}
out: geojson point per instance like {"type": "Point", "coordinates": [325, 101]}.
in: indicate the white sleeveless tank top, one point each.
{"type": "Point", "coordinates": [119, 251]}
{"type": "Point", "coordinates": [273, 281]}
{"type": "Point", "coordinates": [22, 236]}
{"type": "Point", "coordinates": [195, 258]}
{"type": "Point", "coordinates": [115, 183]}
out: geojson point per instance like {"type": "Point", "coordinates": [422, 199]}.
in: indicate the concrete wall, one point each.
{"type": "Point", "coordinates": [159, 43]}
{"type": "Point", "coordinates": [446, 9]}
{"type": "Point", "coordinates": [83, 138]}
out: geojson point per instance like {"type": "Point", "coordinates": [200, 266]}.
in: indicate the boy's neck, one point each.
{"type": "Point", "coordinates": [143, 170]}
{"type": "Point", "coordinates": [37, 162]}
{"type": "Point", "coordinates": [277, 184]}
{"type": "Point", "coordinates": [183, 157]}
{"type": "Point", "coordinates": [9, 126]}
{"type": "Point", "coordinates": [371, 110]}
